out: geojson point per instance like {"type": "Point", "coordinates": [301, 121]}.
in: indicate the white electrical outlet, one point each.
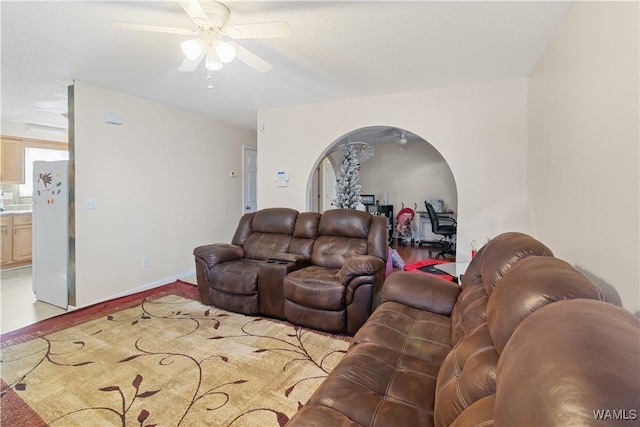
{"type": "Point", "coordinates": [146, 262]}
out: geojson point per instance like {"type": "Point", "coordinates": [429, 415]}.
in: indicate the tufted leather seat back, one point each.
{"type": "Point", "coordinates": [505, 251]}
{"type": "Point", "coordinates": [345, 233]}
{"type": "Point", "coordinates": [531, 285]}
{"type": "Point", "coordinates": [484, 273]}
{"type": "Point", "coordinates": [266, 232]}
{"type": "Point", "coordinates": [468, 373]}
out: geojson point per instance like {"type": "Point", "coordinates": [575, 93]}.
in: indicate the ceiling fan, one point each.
{"type": "Point", "coordinates": [400, 136]}
{"type": "Point", "coordinates": [210, 18]}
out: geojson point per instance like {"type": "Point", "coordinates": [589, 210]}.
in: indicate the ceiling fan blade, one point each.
{"type": "Point", "coordinates": [191, 65]}
{"type": "Point", "coordinates": [387, 133]}
{"type": "Point", "coordinates": [251, 59]}
{"type": "Point", "coordinates": [264, 30]}
{"type": "Point", "coordinates": [153, 28]}
{"type": "Point", "coordinates": [196, 12]}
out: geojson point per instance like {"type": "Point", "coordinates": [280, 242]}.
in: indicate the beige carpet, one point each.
{"type": "Point", "coordinates": [170, 361]}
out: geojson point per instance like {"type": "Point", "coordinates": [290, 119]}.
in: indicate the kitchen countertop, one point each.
{"type": "Point", "coordinates": [16, 212]}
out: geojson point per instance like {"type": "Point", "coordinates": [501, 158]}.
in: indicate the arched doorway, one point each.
{"type": "Point", "coordinates": [404, 169]}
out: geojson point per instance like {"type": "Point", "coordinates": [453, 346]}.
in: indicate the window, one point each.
{"type": "Point", "coordinates": [32, 154]}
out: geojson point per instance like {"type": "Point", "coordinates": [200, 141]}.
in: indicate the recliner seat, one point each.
{"type": "Point", "coordinates": [335, 293]}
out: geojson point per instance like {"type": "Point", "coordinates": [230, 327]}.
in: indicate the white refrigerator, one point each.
{"type": "Point", "coordinates": [51, 231]}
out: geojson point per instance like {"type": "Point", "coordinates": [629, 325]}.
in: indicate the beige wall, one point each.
{"type": "Point", "coordinates": [583, 145]}
{"type": "Point", "coordinates": [410, 174]}
{"type": "Point", "coordinates": [20, 130]}
{"type": "Point", "coordinates": [161, 185]}
{"type": "Point", "coordinates": [480, 130]}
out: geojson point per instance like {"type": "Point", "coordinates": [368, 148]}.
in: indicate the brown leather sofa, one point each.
{"type": "Point", "coordinates": [314, 270]}
{"type": "Point", "coordinates": [526, 340]}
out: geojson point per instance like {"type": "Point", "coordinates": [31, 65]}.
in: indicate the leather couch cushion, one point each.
{"type": "Point", "coordinates": [307, 225]}
{"type": "Point", "coordinates": [315, 287]}
{"type": "Point", "coordinates": [332, 252]}
{"type": "Point", "coordinates": [503, 252]}
{"type": "Point", "coordinates": [274, 220]}
{"type": "Point", "coordinates": [567, 360]}
{"type": "Point", "coordinates": [315, 318]}
{"type": "Point", "coordinates": [236, 277]}
{"type": "Point", "coordinates": [262, 246]}
{"type": "Point", "coordinates": [345, 223]}
{"type": "Point", "coordinates": [486, 270]}
{"type": "Point", "coordinates": [314, 416]}
{"type": "Point", "coordinates": [467, 375]}
{"type": "Point", "coordinates": [532, 284]}
{"type": "Point", "coordinates": [305, 233]}
{"type": "Point", "coordinates": [218, 253]}
{"type": "Point", "coordinates": [413, 332]}
{"type": "Point", "coordinates": [376, 386]}
{"type": "Point", "coordinates": [470, 311]}
{"type": "Point", "coordinates": [480, 413]}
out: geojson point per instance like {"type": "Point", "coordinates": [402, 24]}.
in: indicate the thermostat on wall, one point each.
{"type": "Point", "coordinates": [281, 178]}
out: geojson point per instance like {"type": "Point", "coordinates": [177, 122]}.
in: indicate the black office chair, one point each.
{"type": "Point", "coordinates": [444, 226]}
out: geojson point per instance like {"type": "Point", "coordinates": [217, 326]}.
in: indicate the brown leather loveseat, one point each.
{"type": "Point", "coordinates": [314, 270]}
{"type": "Point", "coordinates": [526, 340]}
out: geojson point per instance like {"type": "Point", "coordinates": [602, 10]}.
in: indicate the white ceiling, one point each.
{"type": "Point", "coordinates": [339, 50]}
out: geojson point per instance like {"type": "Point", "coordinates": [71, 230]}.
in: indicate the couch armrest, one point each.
{"type": "Point", "coordinates": [362, 265]}
{"type": "Point", "coordinates": [288, 257]}
{"type": "Point", "coordinates": [218, 253]}
{"type": "Point", "coordinates": [421, 291]}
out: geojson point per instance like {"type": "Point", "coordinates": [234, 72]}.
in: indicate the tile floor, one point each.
{"type": "Point", "coordinates": [18, 307]}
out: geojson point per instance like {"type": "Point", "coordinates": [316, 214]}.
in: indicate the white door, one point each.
{"type": "Point", "coordinates": [51, 231]}
{"type": "Point", "coordinates": [250, 179]}
{"type": "Point", "coordinates": [329, 186]}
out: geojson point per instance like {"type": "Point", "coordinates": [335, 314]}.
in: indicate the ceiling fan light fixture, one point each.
{"type": "Point", "coordinates": [402, 139]}
{"type": "Point", "coordinates": [225, 51]}
{"type": "Point", "coordinates": [212, 62]}
{"type": "Point", "coordinates": [193, 48]}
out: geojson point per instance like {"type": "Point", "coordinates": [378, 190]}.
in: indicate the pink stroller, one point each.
{"type": "Point", "coordinates": [403, 225]}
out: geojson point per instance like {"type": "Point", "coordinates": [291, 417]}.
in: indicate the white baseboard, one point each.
{"type": "Point", "coordinates": [181, 276]}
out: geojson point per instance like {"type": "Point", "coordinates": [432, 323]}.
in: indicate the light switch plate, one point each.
{"type": "Point", "coordinates": [90, 203]}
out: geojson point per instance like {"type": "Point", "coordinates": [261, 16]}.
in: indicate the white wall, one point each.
{"type": "Point", "coordinates": [161, 185]}
{"type": "Point", "coordinates": [583, 145]}
{"type": "Point", "coordinates": [20, 130]}
{"type": "Point", "coordinates": [410, 174]}
{"type": "Point", "coordinates": [480, 130]}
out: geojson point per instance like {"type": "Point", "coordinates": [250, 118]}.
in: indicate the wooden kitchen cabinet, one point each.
{"type": "Point", "coordinates": [12, 161]}
{"type": "Point", "coordinates": [16, 236]}
{"type": "Point", "coordinates": [22, 238]}
{"type": "Point", "coordinates": [6, 234]}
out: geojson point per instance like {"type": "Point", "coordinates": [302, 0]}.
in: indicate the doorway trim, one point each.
{"type": "Point", "coordinates": [249, 179]}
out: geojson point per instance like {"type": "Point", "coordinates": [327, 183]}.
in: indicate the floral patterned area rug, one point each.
{"type": "Point", "coordinates": [166, 361]}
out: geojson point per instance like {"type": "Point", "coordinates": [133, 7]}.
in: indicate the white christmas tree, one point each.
{"type": "Point", "coordinates": [348, 188]}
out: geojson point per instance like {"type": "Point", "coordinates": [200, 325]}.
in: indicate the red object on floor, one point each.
{"type": "Point", "coordinates": [427, 266]}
